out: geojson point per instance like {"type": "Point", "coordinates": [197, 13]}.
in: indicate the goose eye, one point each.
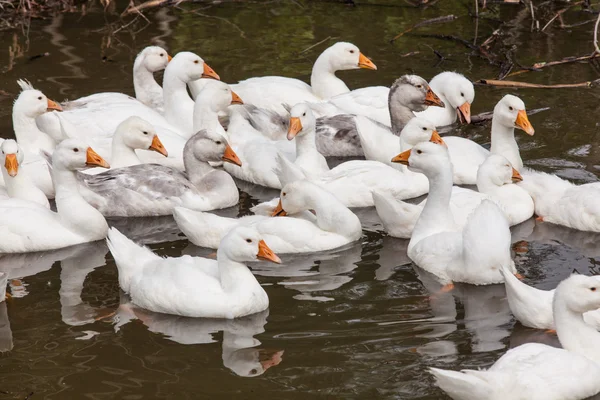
{"type": "Point", "coordinates": [304, 115]}
{"type": "Point", "coordinates": [218, 142]}
{"type": "Point", "coordinates": [145, 132]}
{"type": "Point", "coordinates": [249, 240]}
{"type": "Point", "coordinates": [419, 151]}
{"type": "Point", "coordinates": [593, 289]}
{"type": "Point", "coordinates": [351, 51]}
{"type": "Point", "coordinates": [253, 372]}
{"type": "Point", "coordinates": [76, 150]}
{"type": "Point", "coordinates": [510, 108]}
{"type": "Point", "coordinates": [162, 54]}
{"type": "Point", "coordinates": [196, 61]}
{"type": "Point", "coordinates": [419, 86]}
{"type": "Point", "coordinates": [283, 194]}
{"type": "Point", "coordinates": [424, 129]}
{"type": "Point", "coordinates": [462, 94]}
{"type": "Point", "coordinates": [39, 98]}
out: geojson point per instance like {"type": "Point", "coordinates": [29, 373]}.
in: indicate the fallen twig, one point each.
{"type": "Point", "coordinates": [538, 66]}
{"type": "Point", "coordinates": [495, 82]}
{"type": "Point", "coordinates": [437, 20]}
{"type": "Point", "coordinates": [596, 35]}
{"type": "Point", "coordinates": [315, 45]}
{"type": "Point", "coordinates": [150, 4]}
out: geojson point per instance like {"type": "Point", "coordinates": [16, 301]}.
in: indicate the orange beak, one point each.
{"type": "Point", "coordinates": [265, 253]}
{"type": "Point", "coordinates": [437, 139]}
{"type": "Point", "coordinates": [523, 122]}
{"type": "Point", "coordinates": [269, 360]}
{"type": "Point", "coordinates": [402, 158]}
{"type": "Point", "coordinates": [169, 58]}
{"type": "Point", "coordinates": [279, 211]}
{"type": "Point", "coordinates": [235, 99]}
{"type": "Point", "coordinates": [230, 156]}
{"type": "Point", "coordinates": [94, 159]}
{"type": "Point", "coordinates": [158, 146]}
{"type": "Point", "coordinates": [516, 176]}
{"type": "Point", "coordinates": [210, 73]}
{"type": "Point", "coordinates": [11, 164]}
{"type": "Point", "coordinates": [295, 127]}
{"type": "Point", "coordinates": [364, 62]}
{"type": "Point", "coordinates": [432, 99]}
{"type": "Point", "coordinates": [52, 105]}
{"type": "Point", "coordinates": [464, 113]}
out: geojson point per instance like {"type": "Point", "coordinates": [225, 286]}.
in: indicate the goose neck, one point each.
{"type": "Point", "coordinates": [323, 81]}
{"type": "Point", "coordinates": [122, 155]}
{"type": "Point", "coordinates": [504, 143]}
{"type": "Point", "coordinates": [306, 143]}
{"type": "Point", "coordinates": [333, 216]}
{"type": "Point", "coordinates": [234, 276]}
{"type": "Point", "coordinates": [204, 116]}
{"type": "Point", "coordinates": [144, 82]}
{"type": "Point", "coordinates": [174, 91]}
{"type": "Point", "coordinates": [29, 136]}
{"type": "Point", "coordinates": [400, 114]}
{"type": "Point", "coordinates": [574, 334]}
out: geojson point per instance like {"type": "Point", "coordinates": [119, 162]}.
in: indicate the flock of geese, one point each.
{"type": "Point", "coordinates": [165, 152]}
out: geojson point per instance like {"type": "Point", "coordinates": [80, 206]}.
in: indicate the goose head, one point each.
{"type": "Point", "coordinates": [155, 58]}
{"type": "Point", "coordinates": [419, 130]}
{"type": "Point", "coordinates": [209, 146]}
{"type": "Point", "coordinates": [426, 157]}
{"type": "Point", "coordinates": [510, 112]}
{"type": "Point", "coordinates": [189, 67]}
{"type": "Point", "coordinates": [33, 103]}
{"type": "Point", "coordinates": [11, 157]}
{"type": "Point", "coordinates": [137, 133]}
{"type": "Point", "coordinates": [458, 92]}
{"type": "Point", "coordinates": [496, 170]}
{"type": "Point", "coordinates": [294, 198]}
{"type": "Point", "coordinates": [302, 121]}
{"type": "Point", "coordinates": [218, 96]}
{"type": "Point", "coordinates": [245, 244]}
{"type": "Point", "coordinates": [413, 92]}
{"type": "Point", "coordinates": [579, 293]}
{"type": "Point", "coordinates": [74, 155]}
{"type": "Point", "coordinates": [344, 56]}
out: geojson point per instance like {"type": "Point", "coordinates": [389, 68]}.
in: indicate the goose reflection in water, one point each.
{"type": "Point", "coordinates": [240, 352]}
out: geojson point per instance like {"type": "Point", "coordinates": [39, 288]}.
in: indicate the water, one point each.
{"type": "Point", "coordinates": [354, 323]}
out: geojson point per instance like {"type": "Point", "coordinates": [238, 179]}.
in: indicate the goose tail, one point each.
{"type": "Point", "coordinates": [202, 228]}
{"type": "Point", "coordinates": [462, 385]}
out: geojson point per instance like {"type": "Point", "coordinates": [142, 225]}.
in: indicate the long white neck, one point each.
{"type": "Point", "coordinates": [504, 143]}
{"type": "Point", "coordinates": [75, 213]}
{"type": "Point", "coordinates": [436, 215]}
{"type": "Point", "coordinates": [574, 334]}
{"type": "Point", "coordinates": [306, 143]}
{"type": "Point", "coordinates": [205, 117]}
{"type": "Point", "coordinates": [234, 276]}
{"type": "Point", "coordinates": [144, 84]}
{"type": "Point", "coordinates": [450, 112]}
{"type": "Point", "coordinates": [122, 155]}
{"type": "Point", "coordinates": [333, 216]}
{"type": "Point", "coordinates": [29, 136]}
{"type": "Point", "coordinates": [22, 187]}
{"type": "Point", "coordinates": [179, 106]}
{"type": "Point", "coordinates": [323, 81]}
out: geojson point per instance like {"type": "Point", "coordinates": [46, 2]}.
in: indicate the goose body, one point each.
{"type": "Point", "coordinates": [538, 372]}
{"type": "Point", "coordinates": [332, 226]}
{"type": "Point", "coordinates": [151, 189]}
{"type": "Point", "coordinates": [472, 254]}
{"type": "Point", "coordinates": [194, 286]}
{"type": "Point", "coordinates": [27, 226]}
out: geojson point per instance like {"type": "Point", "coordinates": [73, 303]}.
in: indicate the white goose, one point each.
{"type": "Point", "coordinates": [272, 92]}
{"type": "Point", "coordinates": [18, 183]}
{"type": "Point", "coordinates": [30, 104]}
{"type": "Point", "coordinates": [332, 226]}
{"type": "Point", "coordinates": [150, 60]}
{"type": "Point", "coordinates": [496, 180]}
{"type": "Point", "coordinates": [27, 226]}
{"type": "Point", "coordinates": [455, 91]}
{"type": "Point", "coordinates": [194, 286]}
{"type": "Point", "coordinates": [532, 307]}
{"type": "Point", "coordinates": [472, 254]}
{"type": "Point", "coordinates": [151, 189]}
{"type": "Point", "coordinates": [539, 372]}
{"type": "Point", "coordinates": [132, 134]}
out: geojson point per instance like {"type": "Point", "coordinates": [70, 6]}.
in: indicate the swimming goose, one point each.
{"type": "Point", "coordinates": [332, 225]}
{"type": "Point", "coordinates": [472, 254]}
{"type": "Point", "coordinates": [17, 181]}
{"type": "Point", "coordinates": [272, 92]}
{"type": "Point", "coordinates": [27, 226]}
{"type": "Point", "coordinates": [150, 60]}
{"type": "Point", "coordinates": [132, 134]}
{"type": "Point", "coordinates": [532, 307]}
{"type": "Point", "coordinates": [215, 98]}
{"type": "Point", "coordinates": [536, 371]}
{"type": "Point", "coordinates": [151, 189]}
{"type": "Point", "coordinates": [339, 135]}
{"type": "Point", "coordinates": [496, 181]}
{"type": "Point", "coordinates": [195, 286]}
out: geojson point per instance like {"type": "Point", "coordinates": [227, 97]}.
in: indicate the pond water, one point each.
{"type": "Point", "coordinates": [355, 323]}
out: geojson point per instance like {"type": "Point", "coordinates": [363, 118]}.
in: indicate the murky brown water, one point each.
{"type": "Point", "coordinates": [355, 323]}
